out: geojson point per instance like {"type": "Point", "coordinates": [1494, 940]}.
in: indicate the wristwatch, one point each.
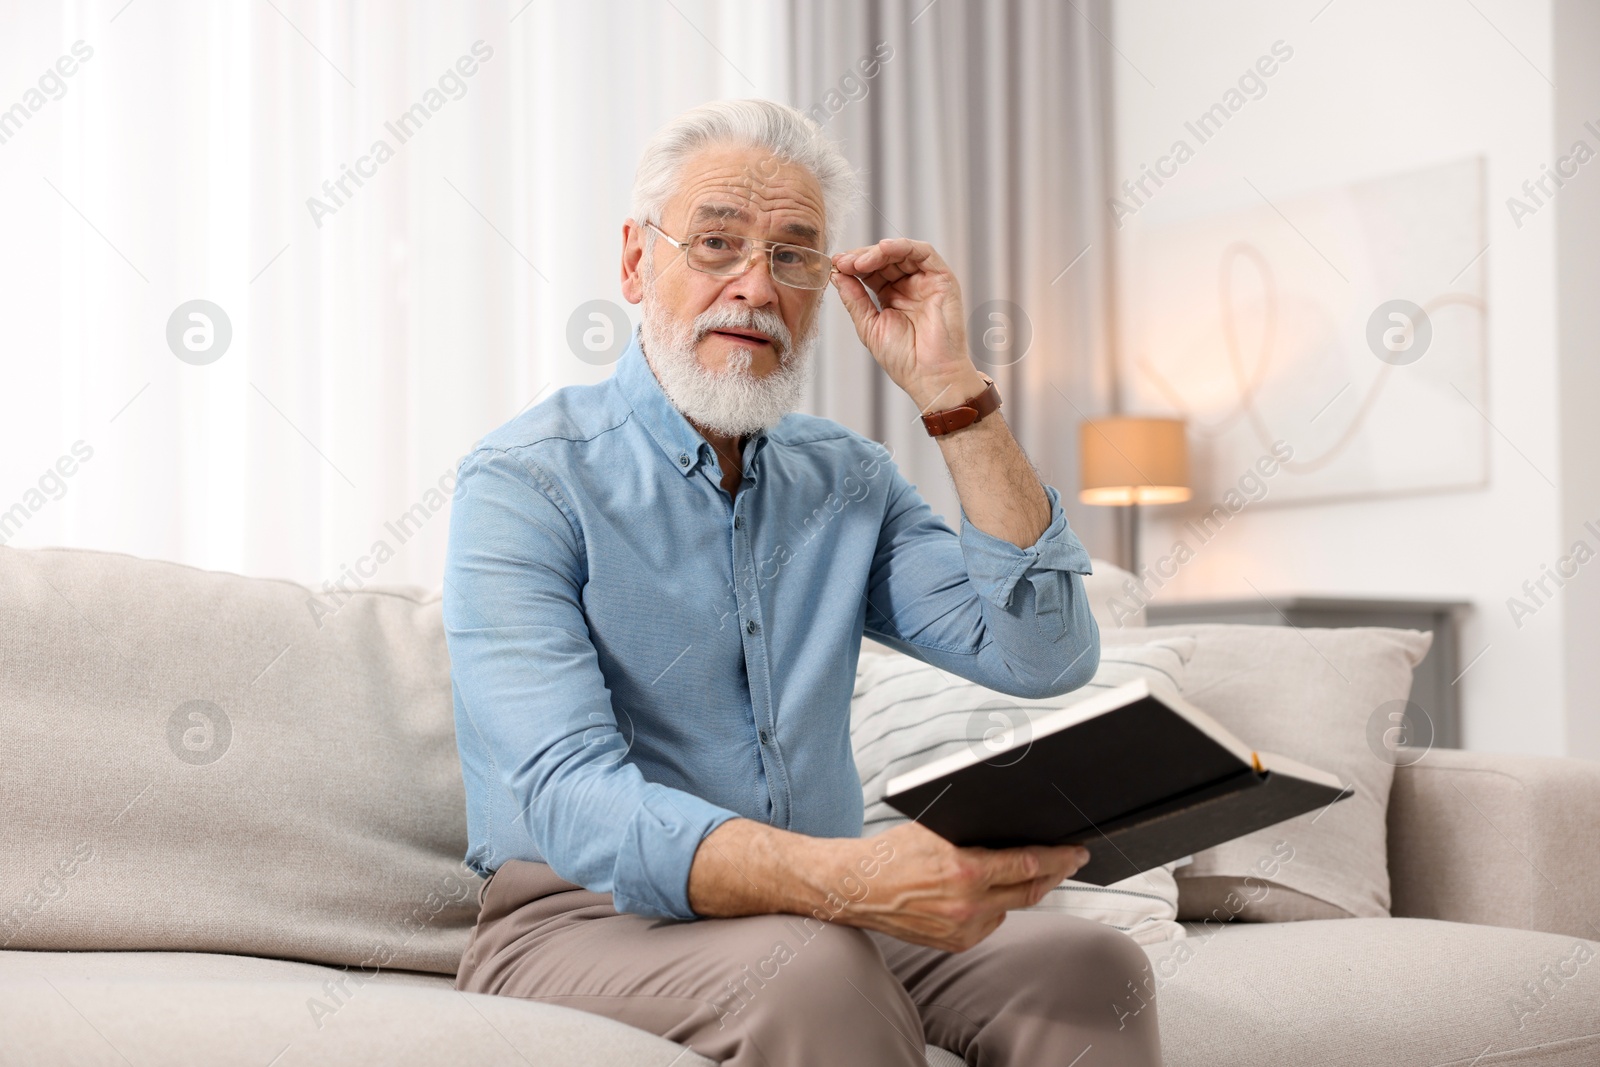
{"type": "Point", "coordinates": [968, 412]}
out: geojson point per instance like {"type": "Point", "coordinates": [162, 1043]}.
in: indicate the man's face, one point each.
{"type": "Point", "coordinates": [743, 191]}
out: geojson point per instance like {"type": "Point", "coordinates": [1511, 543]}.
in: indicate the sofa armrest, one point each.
{"type": "Point", "coordinates": [1499, 840]}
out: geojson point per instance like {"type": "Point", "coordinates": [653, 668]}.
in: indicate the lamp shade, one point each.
{"type": "Point", "coordinates": [1131, 460]}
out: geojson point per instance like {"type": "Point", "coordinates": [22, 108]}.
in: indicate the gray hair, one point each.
{"type": "Point", "coordinates": [786, 132]}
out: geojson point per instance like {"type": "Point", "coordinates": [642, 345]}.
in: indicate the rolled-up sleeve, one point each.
{"type": "Point", "coordinates": [1012, 619]}
{"type": "Point", "coordinates": [527, 674]}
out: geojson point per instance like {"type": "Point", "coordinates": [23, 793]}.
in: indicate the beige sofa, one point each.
{"type": "Point", "coordinates": [234, 829]}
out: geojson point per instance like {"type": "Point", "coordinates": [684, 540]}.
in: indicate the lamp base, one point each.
{"type": "Point", "coordinates": [1128, 537]}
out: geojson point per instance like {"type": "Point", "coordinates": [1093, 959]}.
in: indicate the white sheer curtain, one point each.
{"type": "Point", "coordinates": [378, 332]}
{"type": "Point", "coordinates": [371, 344]}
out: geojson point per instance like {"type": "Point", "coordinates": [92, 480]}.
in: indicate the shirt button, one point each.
{"type": "Point", "coordinates": [738, 522]}
{"type": "Point", "coordinates": [752, 627]}
{"type": "Point", "coordinates": [683, 459]}
{"type": "Point", "coordinates": [766, 738]}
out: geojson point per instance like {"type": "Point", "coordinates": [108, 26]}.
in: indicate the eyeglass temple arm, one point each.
{"type": "Point", "coordinates": [664, 234]}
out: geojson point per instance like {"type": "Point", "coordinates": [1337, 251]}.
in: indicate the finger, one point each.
{"type": "Point", "coordinates": [1022, 894]}
{"type": "Point", "coordinates": [884, 280]}
{"type": "Point", "coordinates": [856, 301]}
{"type": "Point", "coordinates": [892, 258]}
{"type": "Point", "coordinates": [910, 254]}
{"type": "Point", "coordinates": [1065, 859]}
{"type": "Point", "coordinates": [1009, 866]}
{"type": "Point", "coordinates": [882, 274]}
{"type": "Point", "coordinates": [1058, 861]}
{"type": "Point", "coordinates": [875, 280]}
{"type": "Point", "coordinates": [847, 258]}
{"type": "Point", "coordinates": [1042, 886]}
{"type": "Point", "coordinates": [881, 279]}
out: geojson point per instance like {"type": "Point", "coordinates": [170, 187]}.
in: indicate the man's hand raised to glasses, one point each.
{"type": "Point", "coordinates": [919, 334]}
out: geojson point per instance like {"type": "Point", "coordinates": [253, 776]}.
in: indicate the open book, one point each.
{"type": "Point", "coordinates": [1140, 777]}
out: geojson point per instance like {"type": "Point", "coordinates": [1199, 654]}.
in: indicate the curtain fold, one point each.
{"type": "Point", "coordinates": [981, 134]}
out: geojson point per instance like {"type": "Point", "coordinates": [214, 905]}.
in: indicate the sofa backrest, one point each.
{"type": "Point", "coordinates": [201, 761]}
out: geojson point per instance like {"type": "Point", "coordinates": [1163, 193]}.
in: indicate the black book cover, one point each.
{"type": "Point", "coordinates": [1139, 779]}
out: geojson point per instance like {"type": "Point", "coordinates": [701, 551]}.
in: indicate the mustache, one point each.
{"type": "Point", "coordinates": [765, 320]}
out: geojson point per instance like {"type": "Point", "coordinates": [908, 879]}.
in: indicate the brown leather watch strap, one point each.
{"type": "Point", "coordinates": [970, 411]}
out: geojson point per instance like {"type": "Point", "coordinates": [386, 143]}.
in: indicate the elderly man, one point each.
{"type": "Point", "coordinates": [655, 597]}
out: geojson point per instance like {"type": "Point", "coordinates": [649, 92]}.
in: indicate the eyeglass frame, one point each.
{"type": "Point", "coordinates": [771, 246]}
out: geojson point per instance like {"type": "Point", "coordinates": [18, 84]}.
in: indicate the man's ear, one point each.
{"type": "Point", "coordinates": [632, 258]}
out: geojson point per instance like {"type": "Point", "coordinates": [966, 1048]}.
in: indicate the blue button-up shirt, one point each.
{"type": "Point", "coordinates": [637, 657]}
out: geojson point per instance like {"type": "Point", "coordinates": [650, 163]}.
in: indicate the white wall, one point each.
{"type": "Point", "coordinates": [1577, 75]}
{"type": "Point", "coordinates": [1376, 88]}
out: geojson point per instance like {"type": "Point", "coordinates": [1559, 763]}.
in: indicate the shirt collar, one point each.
{"type": "Point", "coordinates": [677, 438]}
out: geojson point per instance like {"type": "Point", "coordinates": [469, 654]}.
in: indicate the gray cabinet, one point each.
{"type": "Point", "coordinates": [1433, 687]}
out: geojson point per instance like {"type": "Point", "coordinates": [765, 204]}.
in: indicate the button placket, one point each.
{"type": "Point", "coordinates": [757, 667]}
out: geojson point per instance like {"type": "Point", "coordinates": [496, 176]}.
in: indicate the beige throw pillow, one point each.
{"type": "Point", "coordinates": [1308, 694]}
{"type": "Point", "coordinates": [906, 713]}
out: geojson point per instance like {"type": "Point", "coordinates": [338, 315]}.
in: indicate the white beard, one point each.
{"type": "Point", "coordinates": [734, 402]}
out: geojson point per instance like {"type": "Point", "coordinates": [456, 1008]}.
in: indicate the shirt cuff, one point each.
{"type": "Point", "coordinates": [995, 565]}
{"type": "Point", "coordinates": [652, 872]}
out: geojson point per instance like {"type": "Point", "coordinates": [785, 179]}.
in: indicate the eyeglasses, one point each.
{"type": "Point", "coordinates": [726, 254]}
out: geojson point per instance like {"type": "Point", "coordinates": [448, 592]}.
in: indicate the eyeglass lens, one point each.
{"type": "Point", "coordinates": [725, 253]}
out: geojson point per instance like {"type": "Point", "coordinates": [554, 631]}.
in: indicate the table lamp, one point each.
{"type": "Point", "coordinates": [1128, 461]}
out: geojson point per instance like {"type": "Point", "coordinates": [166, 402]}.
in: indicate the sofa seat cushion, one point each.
{"type": "Point", "coordinates": [180, 1008]}
{"type": "Point", "coordinates": [1389, 992]}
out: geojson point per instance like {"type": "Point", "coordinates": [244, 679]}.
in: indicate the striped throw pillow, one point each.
{"type": "Point", "coordinates": [905, 713]}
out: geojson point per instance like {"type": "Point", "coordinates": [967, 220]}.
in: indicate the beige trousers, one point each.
{"type": "Point", "coordinates": [1044, 990]}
